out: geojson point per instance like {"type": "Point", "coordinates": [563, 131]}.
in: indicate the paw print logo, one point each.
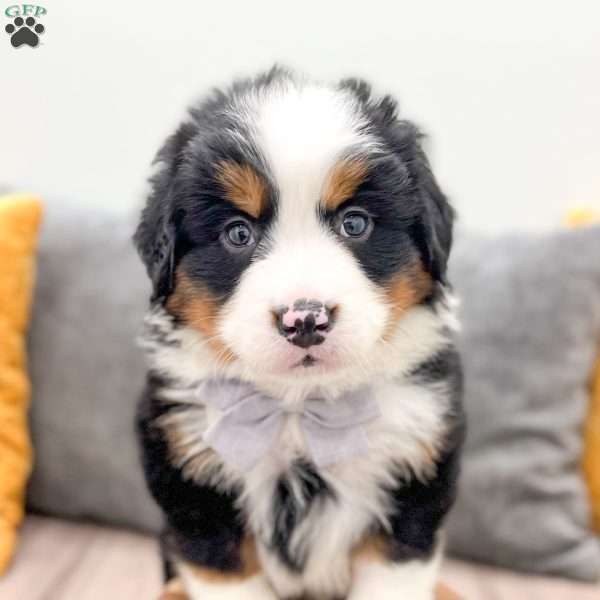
{"type": "Point", "coordinates": [24, 31]}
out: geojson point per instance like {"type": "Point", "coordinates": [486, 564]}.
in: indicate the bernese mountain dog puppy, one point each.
{"type": "Point", "coordinates": [302, 422]}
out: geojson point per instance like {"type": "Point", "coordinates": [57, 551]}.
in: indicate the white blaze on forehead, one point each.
{"type": "Point", "coordinates": [302, 130]}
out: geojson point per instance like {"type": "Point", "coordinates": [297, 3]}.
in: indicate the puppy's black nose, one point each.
{"type": "Point", "coordinates": [306, 323]}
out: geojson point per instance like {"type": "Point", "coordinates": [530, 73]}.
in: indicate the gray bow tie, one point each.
{"type": "Point", "coordinates": [250, 422]}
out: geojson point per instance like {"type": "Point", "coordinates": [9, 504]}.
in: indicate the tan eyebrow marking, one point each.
{"type": "Point", "coordinates": [343, 181]}
{"type": "Point", "coordinates": [244, 187]}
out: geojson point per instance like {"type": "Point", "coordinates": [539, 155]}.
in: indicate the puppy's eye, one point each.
{"type": "Point", "coordinates": [355, 225]}
{"type": "Point", "coordinates": [239, 234]}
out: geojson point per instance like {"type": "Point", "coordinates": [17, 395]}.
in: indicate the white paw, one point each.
{"type": "Point", "coordinates": [250, 588]}
{"type": "Point", "coordinates": [413, 580]}
{"type": "Point", "coordinates": [380, 593]}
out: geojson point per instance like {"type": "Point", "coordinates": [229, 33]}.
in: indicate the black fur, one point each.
{"type": "Point", "coordinates": [403, 193]}
{"type": "Point", "coordinates": [187, 209]}
{"type": "Point", "coordinates": [419, 507]}
{"type": "Point", "coordinates": [289, 511]}
{"type": "Point", "coordinates": [202, 524]}
{"type": "Point", "coordinates": [182, 226]}
{"type": "Point", "coordinates": [443, 366]}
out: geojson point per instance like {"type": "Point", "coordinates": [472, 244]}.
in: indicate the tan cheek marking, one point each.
{"type": "Point", "coordinates": [443, 592]}
{"type": "Point", "coordinates": [199, 309]}
{"type": "Point", "coordinates": [406, 290]}
{"type": "Point", "coordinates": [430, 456]}
{"type": "Point", "coordinates": [243, 186]}
{"type": "Point", "coordinates": [370, 549]}
{"type": "Point", "coordinates": [181, 451]}
{"type": "Point", "coordinates": [250, 566]}
{"type": "Point", "coordinates": [173, 590]}
{"type": "Point", "coordinates": [342, 182]}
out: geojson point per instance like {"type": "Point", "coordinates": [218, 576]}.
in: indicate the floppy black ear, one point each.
{"type": "Point", "coordinates": [156, 232]}
{"type": "Point", "coordinates": [155, 242]}
{"type": "Point", "coordinates": [438, 225]}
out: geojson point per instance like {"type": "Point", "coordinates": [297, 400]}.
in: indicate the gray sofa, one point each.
{"type": "Point", "coordinates": [91, 529]}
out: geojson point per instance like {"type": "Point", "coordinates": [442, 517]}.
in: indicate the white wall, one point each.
{"type": "Point", "coordinates": [509, 91]}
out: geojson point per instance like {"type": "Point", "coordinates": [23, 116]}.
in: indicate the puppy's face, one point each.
{"type": "Point", "coordinates": [293, 226]}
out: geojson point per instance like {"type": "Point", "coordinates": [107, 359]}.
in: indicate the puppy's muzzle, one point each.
{"type": "Point", "coordinates": [306, 322]}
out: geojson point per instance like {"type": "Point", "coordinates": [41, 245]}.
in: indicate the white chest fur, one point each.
{"type": "Point", "coordinates": [402, 441]}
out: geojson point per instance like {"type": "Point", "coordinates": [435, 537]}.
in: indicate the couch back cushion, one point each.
{"type": "Point", "coordinates": [87, 372]}
{"type": "Point", "coordinates": [530, 328]}
{"type": "Point", "coordinates": [531, 319]}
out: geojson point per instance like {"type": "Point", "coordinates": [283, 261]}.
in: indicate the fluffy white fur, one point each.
{"type": "Point", "coordinates": [253, 588]}
{"type": "Point", "coordinates": [412, 416]}
{"type": "Point", "coordinates": [303, 131]}
{"type": "Point", "coordinates": [414, 580]}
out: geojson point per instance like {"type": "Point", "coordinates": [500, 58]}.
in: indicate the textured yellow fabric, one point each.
{"type": "Point", "coordinates": [582, 216]}
{"type": "Point", "coordinates": [591, 455]}
{"type": "Point", "coordinates": [19, 220]}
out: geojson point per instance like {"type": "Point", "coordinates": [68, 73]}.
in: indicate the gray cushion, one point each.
{"type": "Point", "coordinates": [531, 319]}
{"type": "Point", "coordinates": [87, 372]}
{"type": "Point", "coordinates": [531, 326]}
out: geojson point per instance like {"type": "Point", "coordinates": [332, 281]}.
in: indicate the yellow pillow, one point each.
{"type": "Point", "coordinates": [591, 455]}
{"type": "Point", "coordinates": [19, 220]}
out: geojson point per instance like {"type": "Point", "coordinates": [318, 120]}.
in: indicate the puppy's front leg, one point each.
{"type": "Point", "coordinates": [403, 561]}
{"type": "Point", "coordinates": [201, 587]}
{"type": "Point", "coordinates": [247, 582]}
{"type": "Point", "coordinates": [375, 576]}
